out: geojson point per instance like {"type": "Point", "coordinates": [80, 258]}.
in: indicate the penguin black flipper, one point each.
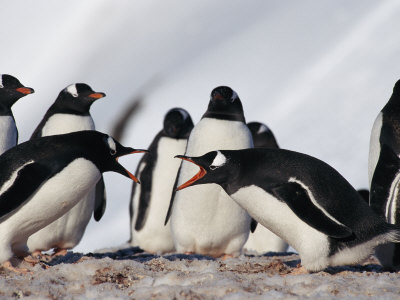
{"type": "Point", "coordinates": [171, 202]}
{"type": "Point", "coordinates": [382, 185]}
{"type": "Point", "coordinates": [100, 201]}
{"type": "Point", "coordinates": [299, 201]}
{"type": "Point", "coordinates": [28, 180]}
{"type": "Point", "coordinates": [253, 225]}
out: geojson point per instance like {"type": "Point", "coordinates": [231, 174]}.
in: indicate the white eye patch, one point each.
{"type": "Point", "coordinates": [1, 82]}
{"type": "Point", "coordinates": [184, 114]}
{"type": "Point", "coordinates": [112, 145]}
{"type": "Point", "coordinates": [262, 129]}
{"type": "Point", "coordinates": [218, 161]}
{"type": "Point", "coordinates": [234, 96]}
{"type": "Point", "coordinates": [72, 90]}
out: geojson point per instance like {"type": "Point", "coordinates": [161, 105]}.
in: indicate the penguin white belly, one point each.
{"type": "Point", "coordinates": [52, 199]}
{"type": "Point", "coordinates": [67, 231]}
{"type": "Point", "coordinates": [312, 245]}
{"type": "Point", "coordinates": [8, 133]}
{"type": "Point", "coordinates": [374, 146]}
{"type": "Point", "coordinates": [204, 218]}
{"type": "Point", "coordinates": [263, 240]}
{"type": "Point", "coordinates": [154, 236]}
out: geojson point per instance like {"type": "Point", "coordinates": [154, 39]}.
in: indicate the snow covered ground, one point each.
{"type": "Point", "coordinates": [317, 72]}
{"type": "Point", "coordinates": [129, 274]}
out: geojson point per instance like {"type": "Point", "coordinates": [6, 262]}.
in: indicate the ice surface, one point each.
{"type": "Point", "coordinates": [131, 274]}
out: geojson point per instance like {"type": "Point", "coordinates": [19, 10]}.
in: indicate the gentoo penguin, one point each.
{"type": "Point", "coordinates": [69, 113]}
{"type": "Point", "coordinates": [43, 178]}
{"type": "Point", "coordinates": [301, 199]}
{"type": "Point", "coordinates": [384, 173]}
{"type": "Point", "coordinates": [262, 240]}
{"type": "Point", "coordinates": [149, 201]}
{"type": "Point", "coordinates": [205, 220]}
{"type": "Point", "coordinates": [10, 91]}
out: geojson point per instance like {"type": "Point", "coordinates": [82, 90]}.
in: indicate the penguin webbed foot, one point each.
{"type": "Point", "coordinates": [7, 265]}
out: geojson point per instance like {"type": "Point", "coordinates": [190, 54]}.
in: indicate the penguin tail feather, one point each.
{"type": "Point", "coordinates": [393, 234]}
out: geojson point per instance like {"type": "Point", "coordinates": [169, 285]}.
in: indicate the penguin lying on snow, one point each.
{"type": "Point", "coordinates": [10, 91]}
{"type": "Point", "coordinates": [69, 113]}
{"type": "Point", "coordinates": [301, 199]}
{"type": "Point", "coordinates": [44, 178]}
{"type": "Point", "coordinates": [262, 240]}
{"type": "Point", "coordinates": [384, 173]}
{"type": "Point", "coordinates": [156, 169]}
{"type": "Point", "coordinates": [205, 220]}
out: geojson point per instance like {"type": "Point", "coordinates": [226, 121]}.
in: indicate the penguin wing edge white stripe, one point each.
{"type": "Point", "coordinates": [12, 178]}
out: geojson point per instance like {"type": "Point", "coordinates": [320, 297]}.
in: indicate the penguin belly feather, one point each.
{"type": "Point", "coordinates": [49, 202]}
{"type": "Point", "coordinates": [204, 218]}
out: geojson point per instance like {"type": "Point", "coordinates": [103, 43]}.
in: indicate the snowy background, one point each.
{"type": "Point", "coordinates": [316, 72]}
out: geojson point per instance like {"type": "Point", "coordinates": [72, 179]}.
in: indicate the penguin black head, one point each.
{"type": "Point", "coordinates": [106, 151]}
{"type": "Point", "coordinates": [262, 135]}
{"type": "Point", "coordinates": [77, 98]}
{"type": "Point", "coordinates": [177, 123]}
{"type": "Point", "coordinates": [396, 88]}
{"type": "Point", "coordinates": [11, 90]}
{"type": "Point", "coordinates": [215, 167]}
{"type": "Point", "coordinates": [224, 104]}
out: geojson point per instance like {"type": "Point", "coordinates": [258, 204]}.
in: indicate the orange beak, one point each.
{"type": "Point", "coordinates": [131, 176]}
{"type": "Point", "coordinates": [25, 90]}
{"type": "Point", "coordinates": [97, 95]}
{"type": "Point", "coordinates": [196, 177]}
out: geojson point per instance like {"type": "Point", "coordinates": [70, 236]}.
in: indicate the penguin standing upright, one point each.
{"type": "Point", "coordinates": [263, 240]}
{"type": "Point", "coordinates": [384, 172]}
{"type": "Point", "coordinates": [205, 220]}
{"type": "Point", "coordinates": [10, 91]}
{"type": "Point", "coordinates": [300, 198]}
{"type": "Point", "coordinates": [69, 113]}
{"type": "Point", "coordinates": [42, 179]}
{"type": "Point", "coordinates": [149, 201]}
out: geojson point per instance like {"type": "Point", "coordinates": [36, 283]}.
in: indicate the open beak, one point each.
{"type": "Point", "coordinates": [196, 177]}
{"type": "Point", "coordinates": [25, 90]}
{"type": "Point", "coordinates": [130, 175]}
{"type": "Point", "coordinates": [97, 95]}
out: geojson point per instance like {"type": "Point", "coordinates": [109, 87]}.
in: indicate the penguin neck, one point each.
{"type": "Point", "coordinates": [224, 116]}
{"type": "Point", "coordinates": [62, 108]}
{"type": "Point", "coordinates": [5, 110]}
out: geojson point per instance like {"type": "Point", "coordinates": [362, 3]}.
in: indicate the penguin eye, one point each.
{"type": "Point", "coordinates": [112, 151]}
{"type": "Point", "coordinates": [213, 167]}
{"type": "Point", "coordinates": [1, 86]}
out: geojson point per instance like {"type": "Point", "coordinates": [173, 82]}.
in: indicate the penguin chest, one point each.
{"type": "Point", "coordinates": [281, 220]}
{"type": "Point", "coordinates": [374, 146]}
{"type": "Point", "coordinates": [154, 236]}
{"type": "Point", "coordinates": [54, 197]}
{"type": "Point", "coordinates": [65, 123]}
{"type": "Point", "coordinates": [8, 133]}
{"type": "Point", "coordinates": [204, 218]}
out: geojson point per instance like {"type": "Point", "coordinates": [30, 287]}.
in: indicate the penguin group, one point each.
{"type": "Point", "coordinates": [214, 188]}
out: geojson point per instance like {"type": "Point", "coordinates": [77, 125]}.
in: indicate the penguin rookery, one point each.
{"type": "Point", "coordinates": [44, 178]}
{"type": "Point", "coordinates": [301, 199]}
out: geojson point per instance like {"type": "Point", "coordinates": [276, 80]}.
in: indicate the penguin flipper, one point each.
{"type": "Point", "coordinates": [299, 201]}
{"type": "Point", "coordinates": [253, 225]}
{"type": "Point", "coordinates": [100, 201]}
{"type": "Point", "coordinates": [171, 202]}
{"type": "Point", "coordinates": [27, 181]}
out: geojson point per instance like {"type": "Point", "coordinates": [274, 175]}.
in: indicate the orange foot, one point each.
{"type": "Point", "coordinates": [59, 252]}
{"type": "Point", "coordinates": [226, 256]}
{"type": "Point", "coordinates": [8, 266]}
{"type": "Point", "coordinates": [299, 270]}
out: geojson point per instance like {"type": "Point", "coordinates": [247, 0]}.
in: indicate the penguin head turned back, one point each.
{"type": "Point", "coordinates": [262, 135]}
{"type": "Point", "coordinates": [224, 104]}
{"type": "Point", "coordinates": [104, 151]}
{"type": "Point", "coordinates": [177, 123]}
{"type": "Point", "coordinates": [215, 167]}
{"type": "Point", "coordinates": [11, 90]}
{"type": "Point", "coordinates": [77, 98]}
